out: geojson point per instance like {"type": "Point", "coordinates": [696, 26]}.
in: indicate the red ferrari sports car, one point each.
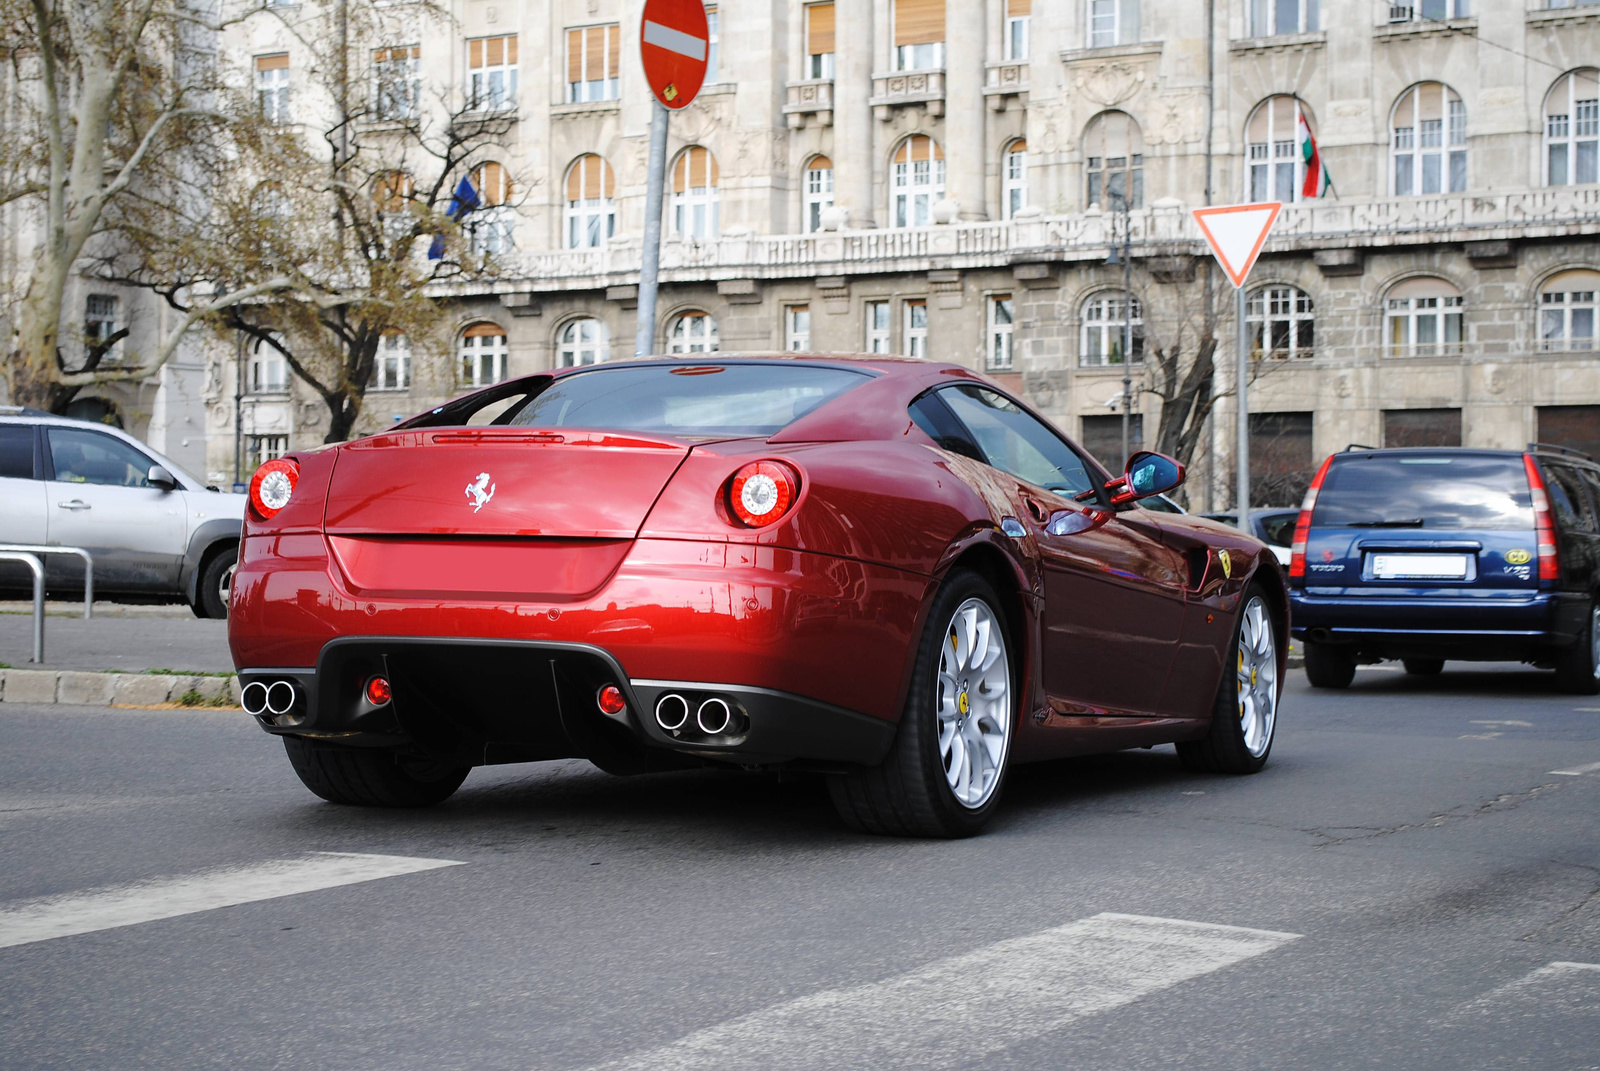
{"type": "Point", "coordinates": [889, 571]}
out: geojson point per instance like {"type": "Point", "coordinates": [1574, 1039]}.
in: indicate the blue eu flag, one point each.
{"type": "Point", "coordinates": [463, 201]}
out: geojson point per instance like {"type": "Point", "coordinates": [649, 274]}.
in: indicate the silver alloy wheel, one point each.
{"type": "Point", "coordinates": [225, 585]}
{"type": "Point", "coordinates": [974, 703]}
{"type": "Point", "coordinates": [1594, 640]}
{"type": "Point", "coordinates": [1258, 678]}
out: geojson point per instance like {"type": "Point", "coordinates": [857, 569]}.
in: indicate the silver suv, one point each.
{"type": "Point", "coordinates": [154, 531]}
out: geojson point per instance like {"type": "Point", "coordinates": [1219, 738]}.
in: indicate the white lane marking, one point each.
{"type": "Point", "coordinates": [1558, 972]}
{"type": "Point", "coordinates": [684, 44]}
{"type": "Point", "coordinates": [26, 921]}
{"type": "Point", "coordinates": [1514, 724]}
{"type": "Point", "coordinates": [1579, 771]}
{"type": "Point", "coordinates": [1479, 736]}
{"type": "Point", "coordinates": [961, 1009]}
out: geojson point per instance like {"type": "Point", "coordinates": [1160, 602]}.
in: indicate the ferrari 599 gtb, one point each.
{"type": "Point", "coordinates": [888, 571]}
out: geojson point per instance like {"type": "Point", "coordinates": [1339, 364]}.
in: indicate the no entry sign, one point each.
{"type": "Point", "coordinates": [673, 42]}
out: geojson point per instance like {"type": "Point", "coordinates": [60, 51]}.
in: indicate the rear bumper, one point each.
{"type": "Point", "coordinates": [475, 702]}
{"type": "Point", "coordinates": [1481, 627]}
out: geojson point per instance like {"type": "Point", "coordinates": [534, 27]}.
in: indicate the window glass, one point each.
{"type": "Point", "coordinates": [935, 419]}
{"type": "Point", "coordinates": [1279, 530]}
{"type": "Point", "coordinates": [16, 452]}
{"type": "Point", "coordinates": [89, 457]}
{"type": "Point", "coordinates": [684, 399]}
{"type": "Point", "coordinates": [1576, 493]}
{"type": "Point", "coordinates": [1015, 442]}
{"type": "Point", "coordinates": [1425, 491]}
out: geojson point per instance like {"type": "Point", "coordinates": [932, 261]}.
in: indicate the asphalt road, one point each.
{"type": "Point", "coordinates": [1415, 886]}
{"type": "Point", "coordinates": [164, 638]}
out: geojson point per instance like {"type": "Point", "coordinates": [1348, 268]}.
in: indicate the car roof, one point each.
{"type": "Point", "coordinates": [877, 362]}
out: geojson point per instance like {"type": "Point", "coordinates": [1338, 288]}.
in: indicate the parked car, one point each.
{"type": "Point", "coordinates": [1161, 504]}
{"type": "Point", "coordinates": [154, 531]}
{"type": "Point", "coordinates": [887, 570]}
{"type": "Point", "coordinates": [1273, 526]}
{"type": "Point", "coordinates": [1432, 554]}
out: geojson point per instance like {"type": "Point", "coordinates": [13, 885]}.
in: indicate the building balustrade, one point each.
{"type": "Point", "coordinates": [810, 99]}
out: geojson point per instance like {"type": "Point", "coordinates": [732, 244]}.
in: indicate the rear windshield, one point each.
{"type": "Point", "coordinates": [693, 400]}
{"type": "Point", "coordinates": [1425, 491]}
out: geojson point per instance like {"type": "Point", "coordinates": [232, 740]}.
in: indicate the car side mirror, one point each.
{"type": "Point", "coordinates": [160, 477]}
{"type": "Point", "coordinates": [1147, 473]}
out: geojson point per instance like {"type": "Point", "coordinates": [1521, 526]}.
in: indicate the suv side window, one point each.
{"type": "Point", "coordinates": [1015, 442]}
{"type": "Point", "coordinates": [1571, 499]}
{"type": "Point", "coordinates": [16, 452]}
{"type": "Point", "coordinates": [90, 457]}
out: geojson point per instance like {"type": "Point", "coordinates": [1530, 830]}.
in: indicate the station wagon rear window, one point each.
{"type": "Point", "coordinates": [1399, 491]}
{"type": "Point", "coordinates": [688, 399]}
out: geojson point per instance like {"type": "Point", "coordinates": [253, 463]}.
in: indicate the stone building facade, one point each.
{"type": "Point", "coordinates": [948, 178]}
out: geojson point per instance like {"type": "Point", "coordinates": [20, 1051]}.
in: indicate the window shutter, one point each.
{"type": "Point", "coordinates": [613, 48]}
{"type": "Point", "coordinates": [475, 53]}
{"type": "Point", "coordinates": [1020, 145]}
{"type": "Point", "coordinates": [272, 63]}
{"type": "Point", "coordinates": [819, 29]}
{"type": "Point", "coordinates": [484, 330]}
{"type": "Point", "coordinates": [820, 163]}
{"type": "Point", "coordinates": [497, 51]}
{"type": "Point", "coordinates": [594, 47]}
{"type": "Point", "coordinates": [1127, 22]}
{"type": "Point", "coordinates": [1016, 8]}
{"type": "Point", "coordinates": [920, 22]}
{"type": "Point", "coordinates": [511, 48]}
{"type": "Point", "coordinates": [574, 55]}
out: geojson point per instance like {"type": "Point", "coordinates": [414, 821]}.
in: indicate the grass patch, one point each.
{"type": "Point", "coordinates": [177, 672]}
{"type": "Point", "coordinates": [223, 698]}
{"type": "Point", "coordinates": [191, 698]}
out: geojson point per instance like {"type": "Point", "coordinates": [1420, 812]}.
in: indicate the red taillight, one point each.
{"type": "Point", "coordinates": [762, 491]}
{"type": "Point", "coordinates": [1302, 525]}
{"type": "Point", "coordinates": [378, 692]}
{"type": "Point", "coordinates": [272, 486]}
{"type": "Point", "coordinates": [1545, 529]}
{"type": "Point", "coordinates": [611, 700]}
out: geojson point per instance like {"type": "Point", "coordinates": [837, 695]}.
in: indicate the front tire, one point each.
{"type": "Point", "coordinates": [371, 777]}
{"type": "Point", "coordinates": [1244, 718]}
{"type": "Point", "coordinates": [1328, 666]}
{"type": "Point", "coordinates": [216, 585]}
{"type": "Point", "coordinates": [1578, 667]}
{"type": "Point", "coordinates": [944, 773]}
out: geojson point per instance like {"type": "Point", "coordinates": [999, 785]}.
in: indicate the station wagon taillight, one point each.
{"type": "Point", "coordinates": [1545, 529]}
{"type": "Point", "coordinates": [272, 486]}
{"type": "Point", "coordinates": [1302, 525]}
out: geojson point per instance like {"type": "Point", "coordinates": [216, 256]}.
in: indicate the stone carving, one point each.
{"type": "Point", "coordinates": [1179, 118]}
{"type": "Point", "coordinates": [1110, 83]}
{"type": "Point", "coordinates": [1495, 379]}
{"type": "Point", "coordinates": [491, 15]}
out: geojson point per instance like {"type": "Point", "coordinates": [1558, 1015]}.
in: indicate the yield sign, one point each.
{"type": "Point", "coordinates": [673, 42]}
{"type": "Point", "coordinates": [1236, 234]}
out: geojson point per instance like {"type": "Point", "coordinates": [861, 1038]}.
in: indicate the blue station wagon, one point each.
{"type": "Point", "coordinates": [1431, 554]}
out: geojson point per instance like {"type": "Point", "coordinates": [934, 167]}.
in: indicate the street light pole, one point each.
{"type": "Point", "coordinates": [650, 264]}
{"type": "Point", "coordinates": [1127, 321]}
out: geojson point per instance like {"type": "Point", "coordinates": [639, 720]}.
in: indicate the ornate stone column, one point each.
{"type": "Point", "coordinates": [853, 147]}
{"type": "Point", "coordinates": [964, 150]}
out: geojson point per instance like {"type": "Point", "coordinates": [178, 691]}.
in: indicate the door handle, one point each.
{"type": "Point", "coordinates": [74, 504]}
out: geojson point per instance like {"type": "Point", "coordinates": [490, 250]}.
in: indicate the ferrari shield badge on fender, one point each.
{"type": "Point", "coordinates": [1226, 561]}
{"type": "Point", "coordinates": [477, 494]}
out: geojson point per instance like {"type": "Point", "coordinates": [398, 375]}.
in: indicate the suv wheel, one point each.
{"type": "Point", "coordinates": [216, 584]}
{"type": "Point", "coordinates": [1328, 666]}
{"type": "Point", "coordinates": [1578, 667]}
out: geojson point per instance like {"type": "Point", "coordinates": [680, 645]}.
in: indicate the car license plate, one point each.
{"type": "Point", "coordinates": [1419, 566]}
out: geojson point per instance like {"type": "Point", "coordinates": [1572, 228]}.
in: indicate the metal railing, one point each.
{"type": "Point", "coordinates": [88, 566]}
{"type": "Point", "coordinates": [33, 563]}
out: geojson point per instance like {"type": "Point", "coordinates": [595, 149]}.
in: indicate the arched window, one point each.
{"type": "Point", "coordinates": [583, 342]}
{"type": "Point", "coordinates": [483, 355]}
{"type": "Point", "coordinates": [1277, 166]}
{"type": "Point", "coordinates": [694, 194]}
{"type": "Point", "coordinates": [591, 215]}
{"type": "Point", "coordinates": [692, 332]}
{"type": "Point", "coordinates": [1428, 141]}
{"type": "Point", "coordinates": [1424, 318]}
{"type": "Point", "coordinates": [1106, 329]}
{"type": "Point", "coordinates": [916, 181]}
{"type": "Point", "coordinates": [489, 227]}
{"type": "Point", "coordinates": [1572, 129]}
{"type": "Point", "coordinates": [1113, 151]}
{"type": "Point", "coordinates": [1014, 178]}
{"type": "Point", "coordinates": [1567, 311]}
{"type": "Point", "coordinates": [819, 190]}
{"type": "Point", "coordinates": [392, 369]}
{"type": "Point", "coordinates": [1279, 319]}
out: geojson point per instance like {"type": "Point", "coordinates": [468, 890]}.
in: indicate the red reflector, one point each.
{"type": "Point", "coordinates": [378, 691]}
{"type": "Point", "coordinates": [611, 700]}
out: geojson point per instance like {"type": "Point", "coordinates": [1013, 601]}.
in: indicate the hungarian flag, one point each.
{"type": "Point", "coordinates": [1318, 181]}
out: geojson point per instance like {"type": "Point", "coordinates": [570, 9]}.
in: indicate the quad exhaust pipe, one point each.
{"type": "Point", "coordinates": [714, 716]}
{"type": "Point", "coordinates": [261, 700]}
{"type": "Point", "coordinates": [672, 712]}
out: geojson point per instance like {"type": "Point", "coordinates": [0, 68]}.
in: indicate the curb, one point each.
{"type": "Point", "coordinates": [90, 689]}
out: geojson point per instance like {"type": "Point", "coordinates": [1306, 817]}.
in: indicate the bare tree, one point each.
{"type": "Point", "coordinates": [343, 226]}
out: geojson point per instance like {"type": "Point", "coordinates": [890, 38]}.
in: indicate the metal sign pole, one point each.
{"type": "Point", "coordinates": [650, 264]}
{"type": "Point", "coordinates": [1243, 449]}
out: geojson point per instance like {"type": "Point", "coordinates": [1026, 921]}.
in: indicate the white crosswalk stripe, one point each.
{"type": "Point", "coordinates": [963, 1008]}
{"type": "Point", "coordinates": [1579, 771]}
{"type": "Point", "coordinates": [26, 921]}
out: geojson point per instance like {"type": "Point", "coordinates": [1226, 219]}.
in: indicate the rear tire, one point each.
{"type": "Point", "coordinates": [911, 794]}
{"type": "Point", "coordinates": [1244, 717]}
{"type": "Point", "coordinates": [216, 584]}
{"type": "Point", "coordinates": [1328, 666]}
{"type": "Point", "coordinates": [1578, 667]}
{"type": "Point", "coordinates": [1423, 667]}
{"type": "Point", "coordinates": [371, 777]}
